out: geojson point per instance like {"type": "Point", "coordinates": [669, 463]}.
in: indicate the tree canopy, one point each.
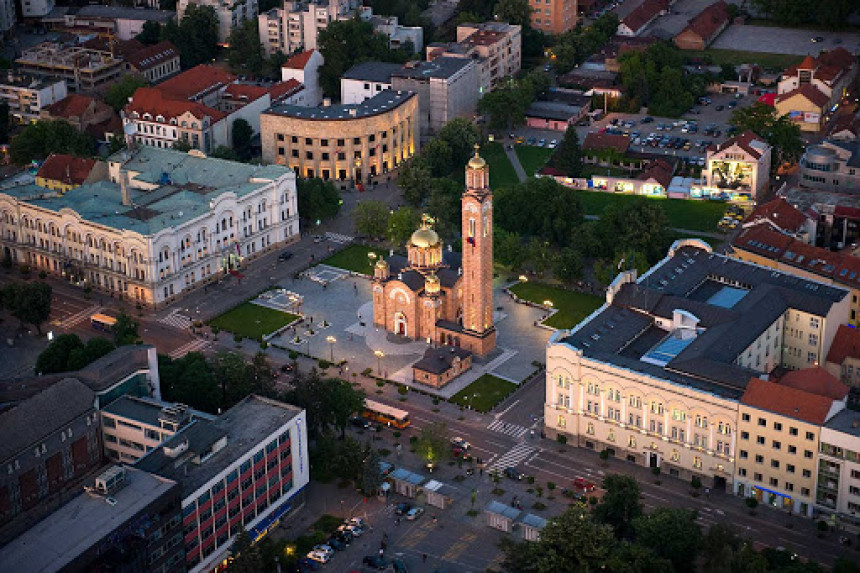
{"type": "Point", "coordinates": [242, 134]}
{"type": "Point", "coordinates": [574, 46]}
{"type": "Point", "coordinates": [561, 210]}
{"type": "Point", "coordinates": [41, 138]}
{"type": "Point", "coordinates": [371, 218]}
{"type": "Point", "coordinates": [67, 353]}
{"type": "Point", "coordinates": [119, 92]}
{"type": "Point", "coordinates": [125, 329]}
{"type": "Point", "coordinates": [655, 78]}
{"type": "Point", "coordinates": [402, 223]}
{"type": "Point", "coordinates": [568, 156]}
{"type": "Point", "coordinates": [150, 33]}
{"type": "Point", "coordinates": [778, 130]}
{"type": "Point", "coordinates": [29, 302]}
{"type": "Point", "coordinates": [506, 105]}
{"type": "Point", "coordinates": [245, 54]}
{"type": "Point", "coordinates": [620, 504]}
{"type": "Point", "coordinates": [196, 36]}
{"type": "Point", "coordinates": [672, 533]}
{"type": "Point", "coordinates": [318, 200]}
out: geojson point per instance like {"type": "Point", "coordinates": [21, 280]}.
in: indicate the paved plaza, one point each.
{"type": "Point", "coordinates": [341, 311]}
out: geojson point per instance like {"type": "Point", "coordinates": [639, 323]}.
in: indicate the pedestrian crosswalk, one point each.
{"type": "Point", "coordinates": [510, 459]}
{"type": "Point", "coordinates": [78, 317]}
{"type": "Point", "coordinates": [196, 345]}
{"type": "Point", "coordinates": [338, 238]}
{"type": "Point", "coordinates": [507, 428]}
{"type": "Point", "coordinates": [177, 320]}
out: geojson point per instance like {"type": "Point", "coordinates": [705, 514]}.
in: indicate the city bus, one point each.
{"type": "Point", "coordinates": [102, 322]}
{"type": "Point", "coordinates": [383, 414]}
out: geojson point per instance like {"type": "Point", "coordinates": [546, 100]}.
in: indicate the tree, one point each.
{"type": "Point", "coordinates": [318, 200]}
{"type": "Point", "coordinates": [635, 558]}
{"type": "Point", "coordinates": [416, 183]}
{"type": "Point", "coordinates": [196, 36]}
{"type": "Point", "coordinates": [119, 92]}
{"type": "Point", "coordinates": [437, 156]}
{"type": "Point", "coordinates": [224, 152]}
{"type": "Point", "coordinates": [260, 375]}
{"type": "Point", "coordinates": [181, 145]}
{"type": "Point", "coordinates": [504, 106]}
{"type": "Point", "coordinates": [568, 155]}
{"type": "Point", "coordinates": [189, 380]}
{"type": "Point", "coordinates": [150, 34]}
{"type": "Point", "coordinates": [779, 131]}
{"type": "Point", "coordinates": [432, 445]}
{"type": "Point", "coordinates": [92, 351]}
{"type": "Point", "coordinates": [341, 402]}
{"type": "Point", "coordinates": [55, 357]}
{"type": "Point", "coordinates": [673, 534]}
{"type": "Point", "coordinates": [517, 12]}
{"type": "Point", "coordinates": [32, 303]}
{"type": "Point", "coordinates": [371, 218]}
{"type": "Point", "coordinates": [246, 555]}
{"type": "Point", "coordinates": [461, 135]}
{"type": "Point", "coordinates": [245, 54]}
{"type": "Point", "coordinates": [444, 206]}
{"type": "Point", "coordinates": [345, 43]}
{"type": "Point", "coordinates": [620, 504]}
{"type": "Point", "coordinates": [719, 548]}
{"type": "Point", "coordinates": [371, 475]}
{"type": "Point", "coordinates": [508, 249]}
{"type": "Point", "coordinates": [125, 330]}
{"type": "Point", "coordinates": [242, 134]}
{"type": "Point", "coordinates": [402, 223]}
{"type": "Point", "coordinates": [639, 225]}
{"type": "Point", "coordinates": [41, 138]}
{"type": "Point", "coordinates": [561, 210]}
{"type": "Point", "coordinates": [231, 374]}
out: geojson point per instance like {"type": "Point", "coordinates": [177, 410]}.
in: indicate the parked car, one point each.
{"type": "Point", "coordinates": [335, 543]}
{"type": "Point", "coordinates": [719, 108]}
{"type": "Point", "coordinates": [287, 367]}
{"type": "Point", "coordinates": [512, 473]}
{"type": "Point", "coordinates": [816, 39]}
{"type": "Point", "coordinates": [647, 119]}
{"type": "Point", "coordinates": [402, 508]}
{"type": "Point", "coordinates": [359, 422]}
{"type": "Point", "coordinates": [553, 144]}
{"type": "Point", "coordinates": [285, 256]}
{"type": "Point", "coordinates": [541, 143]}
{"type": "Point", "coordinates": [322, 547]}
{"type": "Point", "coordinates": [319, 556]}
{"type": "Point", "coordinates": [375, 561]}
{"type": "Point", "coordinates": [584, 484]}
{"type": "Point", "coordinates": [306, 565]}
{"type": "Point", "coordinates": [414, 513]}
{"type": "Point", "coordinates": [399, 566]}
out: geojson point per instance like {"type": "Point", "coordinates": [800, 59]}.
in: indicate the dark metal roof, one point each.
{"type": "Point", "coordinates": [379, 72]}
{"type": "Point", "coordinates": [440, 360]}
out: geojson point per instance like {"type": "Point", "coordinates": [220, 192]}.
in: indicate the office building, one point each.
{"type": "Point", "coordinates": [739, 165]}
{"type": "Point", "coordinates": [27, 96]}
{"type": "Point", "coordinates": [832, 165]}
{"type": "Point", "coordinates": [163, 222]}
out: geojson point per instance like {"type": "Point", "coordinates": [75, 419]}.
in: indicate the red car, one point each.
{"type": "Point", "coordinates": [584, 484]}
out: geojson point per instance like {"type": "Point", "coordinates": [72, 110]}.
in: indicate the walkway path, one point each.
{"type": "Point", "coordinates": [515, 161]}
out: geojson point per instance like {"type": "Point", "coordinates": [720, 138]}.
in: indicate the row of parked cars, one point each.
{"type": "Point", "coordinates": [339, 540]}
{"type": "Point", "coordinates": [733, 217]}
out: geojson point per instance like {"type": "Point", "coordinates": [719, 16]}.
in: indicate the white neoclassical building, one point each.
{"type": "Point", "coordinates": [161, 223]}
{"type": "Point", "coordinates": [656, 374]}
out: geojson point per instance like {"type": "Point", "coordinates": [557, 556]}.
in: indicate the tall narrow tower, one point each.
{"type": "Point", "coordinates": [477, 301]}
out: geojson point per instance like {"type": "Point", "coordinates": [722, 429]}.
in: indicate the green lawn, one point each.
{"type": "Point", "coordinates": [484, 393]}
{"type": "Point", "coordinates": [682, 213]}
{"type": "Point", "coordinates": [737, 57]}
{"type": "Point", "coordinates": [532, 158]}
{"type": "Point", "coordinates": [502, 173]}
{"type": "Point", "coordinates": [572, 306]}
{"type": "Point", "coordinates": [252, 320]}
{"type": "Point", "coordinates": [354, 258]}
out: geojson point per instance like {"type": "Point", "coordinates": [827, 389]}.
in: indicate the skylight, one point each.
{"type": "Point", "coordinates": [668, 348]}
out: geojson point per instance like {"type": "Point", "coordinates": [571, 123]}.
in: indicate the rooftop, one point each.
{"type": "Point", "coordinates": [185, 183]}
{"type": "Point", "coordinates": [67, 169]}
{"type": "Point", "coordinates": [112, 12]}
{"type": "Point", "coordinates": [717, 306]}
{"type": "Point", "coordinates": [553, 110]}
{"type": "Point", "coordinates": [846, 421]}
{"type": "Point", "coordinates": [56, 541]}
{"type": "Point", "coordinates": [500, 508]}
{"type": "Point", "coordinates": [816, 381]}
{"type": "Point", "coordinates": [440, 68]}
{"type": "Point", "coordinates": [372, 72]}
{"type": "Point", "coordinates": [73, 105]}
{"type": "Point", "coordinates": [846, 344]}
{"type": "Point", "coordinates": [440, 360]}
{"type": "Point", "coordinates": [781, 214]}
{"type": "Point", "coordinates": [787, 401]}
{"type": "Point", "coordinates": [748, 141]}
{"type": "Point", "coordinates": [707, 22]}
{"type": "Point", "coordinates": [244, 425]}
{"type": "Point", "coordinates": [27, 81]}
{"type": "Point", "coordinates": [299, 61]}
{"type": "Point", "coordinates": [147, 411]}
{"type": "Point", "coordinates": [196, 82]}
{"type": "Point", "coordinates": [383, 102]}
{"type": "Point", "coordinates": [152, 56]}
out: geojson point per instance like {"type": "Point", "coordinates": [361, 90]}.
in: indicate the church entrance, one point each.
{"type": "Point", "coordinates": [400, 324]}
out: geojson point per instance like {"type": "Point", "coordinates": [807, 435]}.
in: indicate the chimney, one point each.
{"type": "Point", "coordinates": [326, 101]}
{"type": "Point", "coordinates": [352, 112]}
{"type": "Point", "coordinates": [123, 187]}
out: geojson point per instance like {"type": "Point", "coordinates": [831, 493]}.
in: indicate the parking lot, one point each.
{"type": "Point", "coordinates": [784, 40]}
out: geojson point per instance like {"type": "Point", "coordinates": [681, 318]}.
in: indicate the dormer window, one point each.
{"type": "Point", "coordinates": [159, 118]}
{"type": "Point", "coordinates": [172, 121]}
{"type": "Point", "coordinates": [147, 116]}
{"type": "Point", "coordinates": [135, 115]}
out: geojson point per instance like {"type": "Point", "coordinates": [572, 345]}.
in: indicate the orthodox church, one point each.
{"type": "Point", "coordinates": [440, 296]}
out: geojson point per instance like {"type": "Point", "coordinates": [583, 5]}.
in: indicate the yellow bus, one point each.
{"type": "Point", "coordinates": [383, 414]}
{"type": "Point", "coordinates": [102, 322]}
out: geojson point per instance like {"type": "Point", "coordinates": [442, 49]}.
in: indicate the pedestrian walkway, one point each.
{"type": "Point", "coordinates": [196, 345]}
{"type": "Point", "coordinates": [515, 161]}
{"type": "Point", "coordinates": [459, 547]}
{"type": "Point", "coordinates": [519, 453]}
{"type": "Point", "coordinates": [78, 317]}
{"type": "Point", "coordinates": [512, 430]}
{"type": "Point", "coordinates": [176, 320]}
{"type": "Point", "coordinates": [339, 238]}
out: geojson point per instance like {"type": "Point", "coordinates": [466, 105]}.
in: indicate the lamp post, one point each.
{"type": "Point", "coordinates": [379, 356]}
{"type": "Point", "coordinates": [331, 340]}
{"type": "Point", "coordinates": [371, 259]}
{"type": "Point", "coordinates": [357, 177]}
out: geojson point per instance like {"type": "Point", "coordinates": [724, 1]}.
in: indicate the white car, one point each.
{"type": "Point", "coordinates": [319, 557]}
{"type": "Point", "coordinates": [356, 521]}
{"type": "Point", "coordinates": [355, 530]}
{"type": "Point", "coordinates": [414, 513]}
{"type": "Point", "coordinates": [459, 442]}
{"type": "Point", "coordinates": [323, 548]}
{"type": "Point", "coordinates": [553, 144]}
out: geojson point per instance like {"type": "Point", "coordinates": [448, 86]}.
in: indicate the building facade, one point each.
{"type": "Point", "coordinates": [304, 68]}
{"type": "Point", "coordinates": [435, 295]}
{"type": "Point", "coordinates": [555, 16]}
{"type": "Point", "coordinates": [156, 62]}
{"type": "Point", "coordinates": [36, 8]}
{"type": "Point", "coordinates": [163, 222]}
{"type": "Point", "coordinates": [242, 471]}
{"type": "Point", "coordinates": [832, 165]}
{"type": "Point", "coordinates": [704, 27]}
{"type": "Point", "coordinates": [366, 79]}
{"type": "Point", "coordinates": [447, 88]}
{"type": "Point", "coordinates": [295, 27]}
{"type": "Point", "coordinates": [83, 69]}
{"type": "Point", "coordinates": [231, 14]}
{"type": "Point", "coordinates": [357, 143]}
{"type": "Point", "coordinates": [410, 38]}
{"type": "Point", "coordinates": [7, 18]}
{"type": "Point", "coordinates": [27, 96]}
{"type": "Point", "coordinates": [120, 22]}
{"type": "Point", "coordinates": [740, 164]}
{"type": "Point", "coordinates": [655, 376]}
{"type": "Point", "coordinates": [81, 111]}
{"type": "Point", "coordinates": [838, 484]}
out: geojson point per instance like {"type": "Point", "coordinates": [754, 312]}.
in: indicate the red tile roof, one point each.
{"type": "Point", "coordinates": [285, 89]}
{"type": "Point", "coordinates": [809, 91]}
{"type": "Point", "coordinates": [103, 130]}
{"type": "Point", "coordinates": [827, 67]}
{"type": "Point", "coordinates": [846, 344]}
{"type": "Point", "coordinates": [73, 105]}
{"type": "Point", "coordinates": [660, 170]}
{"type": "Point", "coordinates": [644, 13]}
{"type": "Point", "coordinates": [245, 92]}
{"type": "Point", "coordinates": [595, 140]}
{"type": "Point", "coordinates": [151, 56]}
{"type": "Point", "coordinates": [808, 63]}
{"type": "Point", "coordinates": [154, 102]}
{"type": "Point", "coordinates": [787, 401]}
{"type": "Point", "coordinates": [745, 141]}
{"type": "Point", "coordinates": [122, 48]}
{"type": "Point", "coordinates": [781, 213]}
{"type": "Point", "coordinates": [197, 80]}
{"type": "Point", "coordinates": [66, 169]}
{"type": "Point", "coordinates": [299, 61]}
{"type": "Point", "coordinates": [709, 21]}
{"type": "Point", "coordinates": [816, 381]}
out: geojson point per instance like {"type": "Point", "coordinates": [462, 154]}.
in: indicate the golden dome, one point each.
{"type": "Point", "coordinates": [381, 264]}
{"type": "Point", "coordinates": [431, 283]}
{"type": "Point", "coordinates": [424, 238]}
{"type": "Point", "coordinates": [477, 162]}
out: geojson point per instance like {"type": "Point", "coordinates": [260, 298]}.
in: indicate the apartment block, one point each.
{"type": "Point", "coordinates": [244, 470]}
{"type": "Point", "coordinates": [82, 68]}
{"type": "Point", "coordinates": [366, 79]}
{"type": "Point", "coordinates": [27, 96]}
{"type": "Point", "coordinates": [838, 485]}
{"type": "Point", "coordinates": [230, 13]}
{"type": "Point", "coordinates": [554, 16]}
{"type": "Point", "coordinates": [295, 27]}
{"type": "Point", "coordinates": [832, 165]}
{"type": "Point", "coordinates": [120, 22]}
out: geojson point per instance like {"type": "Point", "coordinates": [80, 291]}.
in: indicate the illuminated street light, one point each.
{"type": "Point", "coordinates": [547, 303]}
{"type": "Point", "coordinates": [331, 340]}
{"type": "Point", "coordinates": [379, 356]}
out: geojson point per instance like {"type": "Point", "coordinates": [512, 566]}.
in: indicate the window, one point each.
{"type": "Point", "coordinates": [789, 468]}
{"type": "Point", "coordinates": [807, 474]}
{"type": "Point", "coordinates": [777, 426]}
{"type": "Point", "coordinates": [759, 459]}
{"type": "Point", "coordinates": [745, 417]}
{"type": "Point", "coordinates": [792, 431]}
{"type": "Point", "coordinates": [807, 454]}
{"type": "Point", "coordinates": [590, 429]}
{"type": "Point", "coordinates": [562, 423]}
{"type": "Point", "coordinates": [804, 491]}
{"type": "Point", "coordinates": [762, 422]}
{"type": "Point", "coordinates": [759, 440]}
{"type": "Point", "coordinates": [774, 464]}
{"type": "Point", "coordinates": [792, 450]}
{"type": "Point", "coordinates": [774, 482]}
{"type": "Point", "coordinates": [777, 445]}
{"type": "Point", "coordinates": [810, 436]}
{"type": "Point", "coordinates": [745, 435]}
{"type": "Point", "coordinates": [742, 472]}
{"type": "Point", "coordinates": [744, 454]}
{"type": "Point", "coordinates": [757, 477]}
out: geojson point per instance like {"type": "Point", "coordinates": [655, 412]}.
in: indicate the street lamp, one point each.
{"type": "Point", "coordinates": [371, 256]}
{"type": "Point", "coordinates": [379, 356]}
{"type": "Point", "coordinates": [331, 340]}
{"type": "Point", "coordinates": [357, 178]}
{"type": "Point", "coordinates": [547, 303]}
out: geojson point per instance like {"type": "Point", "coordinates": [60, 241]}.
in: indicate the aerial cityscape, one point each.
{"type": "Point", "coordinates": [442, 286]}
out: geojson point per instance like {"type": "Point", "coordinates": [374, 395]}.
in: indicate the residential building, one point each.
{"type": "Point", "coordinates": [843, 359]}
{"type": "Point", "coordinates": [596, 142]}
{"type": "Point", "coordinates": [447, 88]}
{"type": "Point", "coordinates": [784, 217]}
{"type": "Point", "coordinates": [26, 96]}
{"type": "Point", "coordinates": [357, 143]}
{"type": "Point", "coordinates": [128, 520]}
{"type": "Point", "coordinates": [809, 91]}
{"type": "Point", "coordinates": [739, 165]}
{"type": "Point", "coordinates": [846, 127]}
{"type": "Point", "coordinates": [833, 165]}
{"type": "Point", "coordinates": [79, 110]}
{"type": "Point", "coordinates": [770, 248]}
{"type": "Point", "coordinates": [33, 9]}
{"type": "Point", "coordinates": [156, 62]}
{"type": "Point", "coordinates": [163, 222]}
{"type": "Point", "coordinates": [120, 22]}
{"type": "Point", "coordinates": [554, 16]}
{"type": "Point", "coordinates": [556, 115]}
{"type": "Point", "coordinates": [838, 484]}
{"type": "Point", "coordinates": [366, 79]}
{"type": "Point", "coordinates": [132, 426]}
{"type": "Point", "coordinates": [61, 172]}
{"type": "Point", "coordinates": [7, 18]}
{"type": "Point", "coordinates": [304, 68]}
{"type": "Point", "coordinates": [440, 365]}
{"type": "Point", "coordinates": [636, 21]}
{"type": "Point", "coordinates": [410, 38]}
{"type": "Point", "coordinates": [495, 46]}
{"type": "Point", "coordinates": [778, 427]}
{"type": "Point", "coordinates": [295, 27]}
{"type": "Point", "coordinates": [655, 376]}
{"type": "Point", "coordinates": [704, 27]}
{"type": "Point", "coordinates": [201, 84]}
{"type": "Point", "coordinates": [51, 440]}
{"type": "Point", "coordinates": [244, 470]}
{"type": "Point", "coordinates": [231, 14]}
{"type": "Point", "coordinates": [83, 69]}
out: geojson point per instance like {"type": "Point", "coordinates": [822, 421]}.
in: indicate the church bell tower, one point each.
{"type": "Point", "coordinates": [477, 299]}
